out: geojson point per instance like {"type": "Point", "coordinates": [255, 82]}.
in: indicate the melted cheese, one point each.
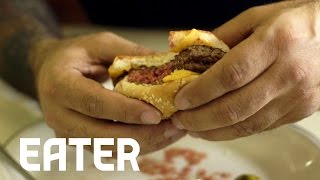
{"type": "Point", "coordinates": [178, 74]}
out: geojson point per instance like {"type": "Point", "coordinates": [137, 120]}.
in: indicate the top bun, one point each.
{"type": "Point", "coordinates": [180, 40]}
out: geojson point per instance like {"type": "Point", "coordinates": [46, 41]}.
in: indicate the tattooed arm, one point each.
{"type": "Point", "coordinates": [22, 24]}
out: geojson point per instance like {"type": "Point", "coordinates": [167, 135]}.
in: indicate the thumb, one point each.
{"type": "Point", "coordinates": [107, 46]}
{"type": "Point", "coordinates": [242, 26]}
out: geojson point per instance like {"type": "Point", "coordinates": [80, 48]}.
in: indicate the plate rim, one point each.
{"type": "Point", "coordinates": [307, 133]}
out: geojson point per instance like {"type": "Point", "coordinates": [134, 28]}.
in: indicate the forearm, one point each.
{"type": "Point", "coordinates": [23, 24]}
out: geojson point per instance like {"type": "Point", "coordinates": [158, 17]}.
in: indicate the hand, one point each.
{"type": "Point", "coordinates": [270, 77]}
{"type": "Point", "coordinates": [68, 75]}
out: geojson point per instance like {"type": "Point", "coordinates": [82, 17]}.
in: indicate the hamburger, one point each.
{"type": "Point", "coordinates": [157, 78]}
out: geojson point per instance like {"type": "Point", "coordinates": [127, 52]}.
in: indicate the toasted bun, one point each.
{"type": "Point", "coordinates": [179, 40]}
{"type": "Point", "coordinates": [162, 96]}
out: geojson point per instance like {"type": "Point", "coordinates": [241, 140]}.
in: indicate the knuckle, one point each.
{"type": "Point", "coordinates": [284, 30]}
{"type": "Point", "coordinates": [92, 105]}
{"type": "Point", "coordinates": [124, 113]}
{"type": "Point", "coordinates": [233, 76]}
{"type": "Point", "coordinates": [297, 73]}
{"type": "Point", "coordinates": [242, 130]}
{"type": "Point", "coordinates": [249, 127]}
{"type": "Point", "coordinates": [230, 114]}
{"type": "Point", "coordinates": [283, 34]}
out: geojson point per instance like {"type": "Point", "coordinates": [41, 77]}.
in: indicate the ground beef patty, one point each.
{"type": "Point", "coordinates": [194, 58]}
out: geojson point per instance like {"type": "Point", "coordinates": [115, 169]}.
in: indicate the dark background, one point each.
{"type": "Point", "coordinates": [202, 14]}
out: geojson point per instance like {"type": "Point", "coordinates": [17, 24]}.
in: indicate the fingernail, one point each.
{"type": "Point", "coordinates": [194, 134]}
{"type": "Point", "coordinates": [150, 117]}
{"type": "Point", "coordinates": [177, 123]}
{"type": "Point", "coordinates": [182, 103]}
{"type": "Point", "coordinates": [171, 131]}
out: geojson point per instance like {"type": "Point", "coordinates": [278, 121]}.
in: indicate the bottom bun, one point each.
{"type": "Point", "coordinates": [161, 96]}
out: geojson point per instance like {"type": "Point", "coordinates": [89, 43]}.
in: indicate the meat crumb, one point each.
{"type": "Point", "coordinates": [166, 170]}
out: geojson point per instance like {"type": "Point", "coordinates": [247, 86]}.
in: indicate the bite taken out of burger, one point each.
{"type": "Point", "coordinates": [157, 78]}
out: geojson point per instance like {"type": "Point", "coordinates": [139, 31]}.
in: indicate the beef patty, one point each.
{"type": "Point", "coordinates": [194, 58]}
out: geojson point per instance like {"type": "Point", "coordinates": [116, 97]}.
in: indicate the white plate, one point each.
{"type": "Point", "coordinates": [8, 171]}
{"type": "Point", "coordinates": [287, 153]}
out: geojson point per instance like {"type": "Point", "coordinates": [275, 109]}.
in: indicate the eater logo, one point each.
{"type": "Point", "coordinates": [79, 143]}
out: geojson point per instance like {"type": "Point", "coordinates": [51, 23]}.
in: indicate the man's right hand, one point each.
{"type": "Point", "coordinates": [68, 74]}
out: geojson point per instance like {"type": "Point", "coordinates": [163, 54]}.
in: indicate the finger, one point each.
{"type": "Point", "coordinates": [237, 68]}
{"type": "Point", "coordinates": [91, 98]}
{"type": "Point", "coordinates": [144, 149]}
{"type": "Point", "coordinates": [238, 105]}
{"type": "Point", "coordinates": [309, 104]}
{"type": "Point", "coordinates": [252, 125]}
{"type": "Point", "coordinates": [150, 138]}
{"type": "Point", "coordinates": [240, 27]}
{"type": "Point", "coordinates": [107, 45]}
{"type": "Point", "coordinates": [283, 110]}
{"type": "Point", "coordinates": [59, 134]}
{"type": "Point", "coordinates": [163, 144]}
{"type": "Point", "coordinates": [95, 72]}
{"type": "Point", "coordinates": [288, 119]}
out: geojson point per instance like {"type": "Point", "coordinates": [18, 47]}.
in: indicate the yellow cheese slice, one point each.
{"type": "Point", "coordinates": [178, 74]}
